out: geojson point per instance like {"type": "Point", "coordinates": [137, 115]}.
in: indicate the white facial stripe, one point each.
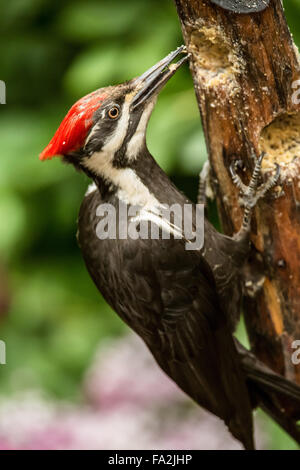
{"type": "Point", "coordinates": [116, 140]}
{"type": "Point", "coordinates": [100, 159]}
{"type": "Point", "coordinates": [137, 141]}
{"type": "Point", "coordinates": [95, 128]}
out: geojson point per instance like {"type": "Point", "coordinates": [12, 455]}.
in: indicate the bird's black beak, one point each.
{"type": "Point", "coordinates": [152, 81]}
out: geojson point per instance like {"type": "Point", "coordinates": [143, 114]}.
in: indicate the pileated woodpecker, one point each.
{"type": "Point", "coordinates": [179, 301]}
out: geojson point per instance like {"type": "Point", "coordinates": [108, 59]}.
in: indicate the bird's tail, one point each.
{"type": "Point", "coordinates": [270, 391]}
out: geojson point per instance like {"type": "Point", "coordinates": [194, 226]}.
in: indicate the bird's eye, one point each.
{"type": "Point", "coordinates": [113, 113]}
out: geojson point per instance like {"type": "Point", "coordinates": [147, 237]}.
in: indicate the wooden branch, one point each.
{"type": "Point", "coordinates": [244, 68]}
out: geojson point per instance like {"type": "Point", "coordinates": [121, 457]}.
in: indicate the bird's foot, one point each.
{"type": "Point", "coordinates": [252, 193]}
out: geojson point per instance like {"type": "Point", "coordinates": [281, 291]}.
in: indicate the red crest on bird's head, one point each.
{"type": "Point", "coordinates": [73, 130]}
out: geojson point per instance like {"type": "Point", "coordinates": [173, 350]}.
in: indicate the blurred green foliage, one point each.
{"type": "Point", "coordinates": [52, 53]}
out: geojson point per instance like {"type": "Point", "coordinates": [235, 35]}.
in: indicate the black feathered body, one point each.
{"type": "Point", "coordinates": [169, 297]}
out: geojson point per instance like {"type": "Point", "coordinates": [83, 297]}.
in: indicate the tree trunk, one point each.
{"type": "Point", "coordinates": [245, 68]}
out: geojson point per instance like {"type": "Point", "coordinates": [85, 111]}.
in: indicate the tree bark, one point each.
{"type": "Point", "coordinates": [245, 68]}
